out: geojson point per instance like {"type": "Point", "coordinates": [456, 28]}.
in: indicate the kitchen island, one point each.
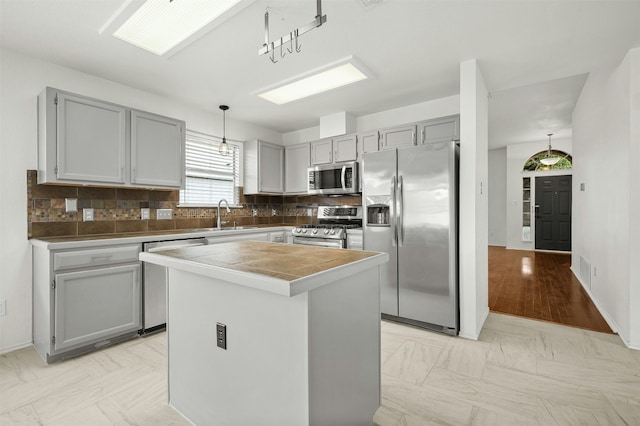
{"type": "Point", "coordinates": [302, 333]}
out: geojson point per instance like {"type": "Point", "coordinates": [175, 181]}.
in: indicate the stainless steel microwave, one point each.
{"type": "Point", "coordinates": [338, 178]}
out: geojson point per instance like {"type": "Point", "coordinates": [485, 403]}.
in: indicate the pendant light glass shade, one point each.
{"type": "Point", "coordinates": [224, 147]}
{"type": "Point", "coordinates": [549, 160]}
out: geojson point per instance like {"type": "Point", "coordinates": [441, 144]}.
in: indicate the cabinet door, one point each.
{"type": "Point", "coordinates": [367, 142]}
{"type": "Point", "coordinates": [271, 167]}
{"type": "Point", "coordinates": [345, 148]}
{"type": "Point", "coordinates": [440, 130]}
{"type": "Point", "coordinates": [96, 304]}
{"type": "Point", "coordinates": [91, 140]}
{"type": "Point", "coordinates": [157, 150]}
{"type": "Point", "coordinates": [321, 152]}
{"type": "Point", "coordinates": [296, 162]}
{"type": "Point", "coordinates": [395, 137]}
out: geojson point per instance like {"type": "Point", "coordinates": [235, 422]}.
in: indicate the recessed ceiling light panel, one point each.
{"type": "Point", "coordinates": [326, 78]}
{"type": "Point", "coordinates": [159, 26]}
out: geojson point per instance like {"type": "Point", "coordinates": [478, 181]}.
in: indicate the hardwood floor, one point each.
{"type": "Point", "coordinates": [540, 285]}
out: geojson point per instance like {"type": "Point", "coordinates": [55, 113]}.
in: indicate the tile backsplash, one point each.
{"type": "Point", "coordinates": [117, 210]}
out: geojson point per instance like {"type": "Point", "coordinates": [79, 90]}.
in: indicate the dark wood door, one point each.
{"type": "Point", "coordinates": [553, 213]}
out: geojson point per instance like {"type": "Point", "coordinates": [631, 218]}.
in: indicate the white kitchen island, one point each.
{"type": "Point", "coordinates": [302, 333]}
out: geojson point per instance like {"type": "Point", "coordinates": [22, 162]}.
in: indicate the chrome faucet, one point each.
{"type": "Point", "coordinates": [228, 211]}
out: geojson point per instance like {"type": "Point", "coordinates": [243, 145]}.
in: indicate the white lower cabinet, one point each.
{"type": "Point", "coordinates": [95, 304]}
{"type": "Point", "coordinates": [85, 298]}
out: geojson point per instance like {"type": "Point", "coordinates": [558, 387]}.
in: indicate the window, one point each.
{"type": "Point", "coordinates": [533, 164]}
{"type": "Point", "coordinates": [210, 176]}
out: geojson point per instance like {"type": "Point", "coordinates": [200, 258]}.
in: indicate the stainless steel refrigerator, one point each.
{"type": "Point", "coordinates": [411, 199]}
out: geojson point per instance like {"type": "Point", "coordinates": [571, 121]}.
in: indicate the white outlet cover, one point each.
{"type": "Point", "coordinates": [87, 215]}
{"type": "Point", "coordinates": [164, 214]}
{"type": "Point", "coordinates": [145, 214]}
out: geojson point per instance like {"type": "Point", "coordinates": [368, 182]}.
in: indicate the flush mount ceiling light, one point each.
{"type": "Point", "coordinates": [331, 76]}
{"type": "Point", "coordinates": [160, 26]}
{"type": "Point", "coordinates": [549, 160]}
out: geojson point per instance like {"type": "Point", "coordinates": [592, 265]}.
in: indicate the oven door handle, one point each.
{"type": "Point", "coordinates": [343, 175]}
{"type": "Point", "coordinates": [332, 244]}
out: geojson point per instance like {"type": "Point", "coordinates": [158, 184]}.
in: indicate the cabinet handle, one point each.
{"type": "Point", "coordinates": [97, 258]}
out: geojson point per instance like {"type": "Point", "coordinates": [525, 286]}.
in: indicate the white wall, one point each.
{"type": "Point", "coordinates": [474, 280]}
{"type": "Point", "coordinates": [517, 155]}
{"type": "Point", "coordinates": [606, 134]}
{"type": "Point", "coordinates": [497, 189]}
{"type": "Point", "coordinates": [393, 117]}
{"type": "Point", "coordinates": [21, 79]}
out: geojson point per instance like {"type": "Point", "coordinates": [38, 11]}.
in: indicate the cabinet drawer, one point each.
{"type": "Point", "coordinates": [95, 257]}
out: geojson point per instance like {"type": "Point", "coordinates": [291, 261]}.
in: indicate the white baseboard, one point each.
{"type": "Point", "coordinates": [610, 321]}
{"type": "Point", "coordinates": [476, 334]}
{"type": "Point", "coordinates": [15, 348]}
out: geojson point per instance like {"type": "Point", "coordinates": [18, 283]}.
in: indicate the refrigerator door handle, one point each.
{"type": "Point", "coordinates": [400, 212]}
{"type": "Point", "coordinates": [342, 177]}
{"type": "Point", "coordinates": [392, 212]}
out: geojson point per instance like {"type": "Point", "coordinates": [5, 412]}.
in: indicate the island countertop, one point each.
{"type": "Point", "coordinates": [285, 269]}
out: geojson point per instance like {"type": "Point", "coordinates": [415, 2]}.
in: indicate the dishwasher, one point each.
{"type": "Point", "coordinates": [154, 284]}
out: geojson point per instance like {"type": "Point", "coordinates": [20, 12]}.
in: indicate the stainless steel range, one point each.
{"type": "Point", "coordinates": [331, 230]}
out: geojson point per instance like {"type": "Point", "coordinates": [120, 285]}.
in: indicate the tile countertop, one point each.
{"type": "Point", "coordinates": [143, 237]}
{"type": "Point", "coordinates": [285, 269]}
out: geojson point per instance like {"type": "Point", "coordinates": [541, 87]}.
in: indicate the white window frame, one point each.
{"type": "Point", "coordinates": [215, 142]}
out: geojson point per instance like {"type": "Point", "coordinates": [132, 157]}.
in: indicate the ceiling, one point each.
{"type": "Point", "coordinates": [534, 55]}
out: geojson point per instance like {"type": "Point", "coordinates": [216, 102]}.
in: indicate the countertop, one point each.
{"type": "Point", "coordinates": [143, 237]}
{"type": "Point", "coordinates": [285, 269]}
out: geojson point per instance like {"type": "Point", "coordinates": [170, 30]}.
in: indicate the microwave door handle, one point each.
{"type": "Point", "coordinates": [343, 176]}
{"type": "Point", "coordinates": [392, 212]}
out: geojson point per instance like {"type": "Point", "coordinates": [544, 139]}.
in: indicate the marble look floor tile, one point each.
{"type": "Point", "coordinates": [89, 415]}
{"type": "Point", "coordinates": [466, 357]}
{"type": "Point", "coordinates": [482, 394]}
{"type": "Point", "coordinates": [386, 416]}
{"type": "Point", "coordinates": [415, 420]}
{"type": "Point", "coordinates": [552, 413]}
{"type": "Point", "coordinates": [416, 334]}
{"type": "Point", "coordinates": [23, 416]}
{"type": "Point", "coordinates": [566, 347]}
{"type": "Point", "coordinates": [426, 402]}
{"type": "Point", "coordinates": [512, 351]}
{"type": "Point", "coordinates": [483, 417]}
{"type": "Point", "coordinates": [605, 381]}
{"type": "Point", "coordinates": [559, 391]}
{"type": "Point", "coordinates": [411, 362]}
{"type": "Point", "coordinates": [627, 408]}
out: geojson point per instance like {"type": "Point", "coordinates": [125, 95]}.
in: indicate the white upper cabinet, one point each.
{"type": "Point", "coordinates": [88, 141]}
{"type": "Point", "coordinates": [264, 168]}
{"type": "Point", "coordinates": [156, 143]}
{"type": "Point", "coordinates": [443, 129]}
{"type": "Point", "coordinates": [368, 142]}
{"type": "Point", "coordinates": [345, 148]}
{"type": "Point", "coordinates": [395, 137]}
{"type": "Point", "coordinates": [296, 162]}
{"type": "Point", "coordinates": [322, 152]}
{"type": "Point", "coordinates": [91, 140]}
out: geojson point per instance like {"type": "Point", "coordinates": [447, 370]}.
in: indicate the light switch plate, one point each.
{"type": "Point", "coordinates": [165, 214]}
{"type": "Point", "coordinates": [71, 204]}
{"type": "Point", "coordinates": [145, 214]}
{"type": "Point", "coordinates": [87, 215]}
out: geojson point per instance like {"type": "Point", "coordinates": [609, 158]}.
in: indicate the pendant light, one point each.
{"type": "Point", "coordinates": [224, 146]}
{"type": "Point", "coordinates": [549, 160]}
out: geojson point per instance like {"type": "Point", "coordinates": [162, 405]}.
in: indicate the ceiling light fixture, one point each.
{"type": "Point", "coordinates": [549, 160]}
{"type": "Point", "coordinates": [165, 26]}
{"type": "Point", "coordinates": [224, 146]}
{"type": "Point", "coordinates": [328, 77]}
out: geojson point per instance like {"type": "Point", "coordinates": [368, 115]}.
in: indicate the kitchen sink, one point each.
{"type": "Point", "coordinates": [226, 228]}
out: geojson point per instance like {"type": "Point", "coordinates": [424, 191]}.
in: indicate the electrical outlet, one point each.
{"type": "Point", "coordinates": [254, 212]}
{"type": "Point", "coordinates": [87, 215]}
{"type": "Point", "coordinates": [165, 214]}
{"type": "Point", "coordinates": [3, 307]}
{"type": "Point", "coordinates": [145, 214]}
{"type": "Point", "coordinates": [274, 212]}
{"type": "Point", "coordinates": [221, 335]}
{"type": "Point", "coordinates": [71, 205]}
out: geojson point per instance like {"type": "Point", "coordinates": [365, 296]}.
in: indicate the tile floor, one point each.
{"type": "Point", "coordinates": [520, 372]}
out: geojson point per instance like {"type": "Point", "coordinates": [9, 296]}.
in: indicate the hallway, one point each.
{"type": "Point", "coordinates": [540, 285]}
